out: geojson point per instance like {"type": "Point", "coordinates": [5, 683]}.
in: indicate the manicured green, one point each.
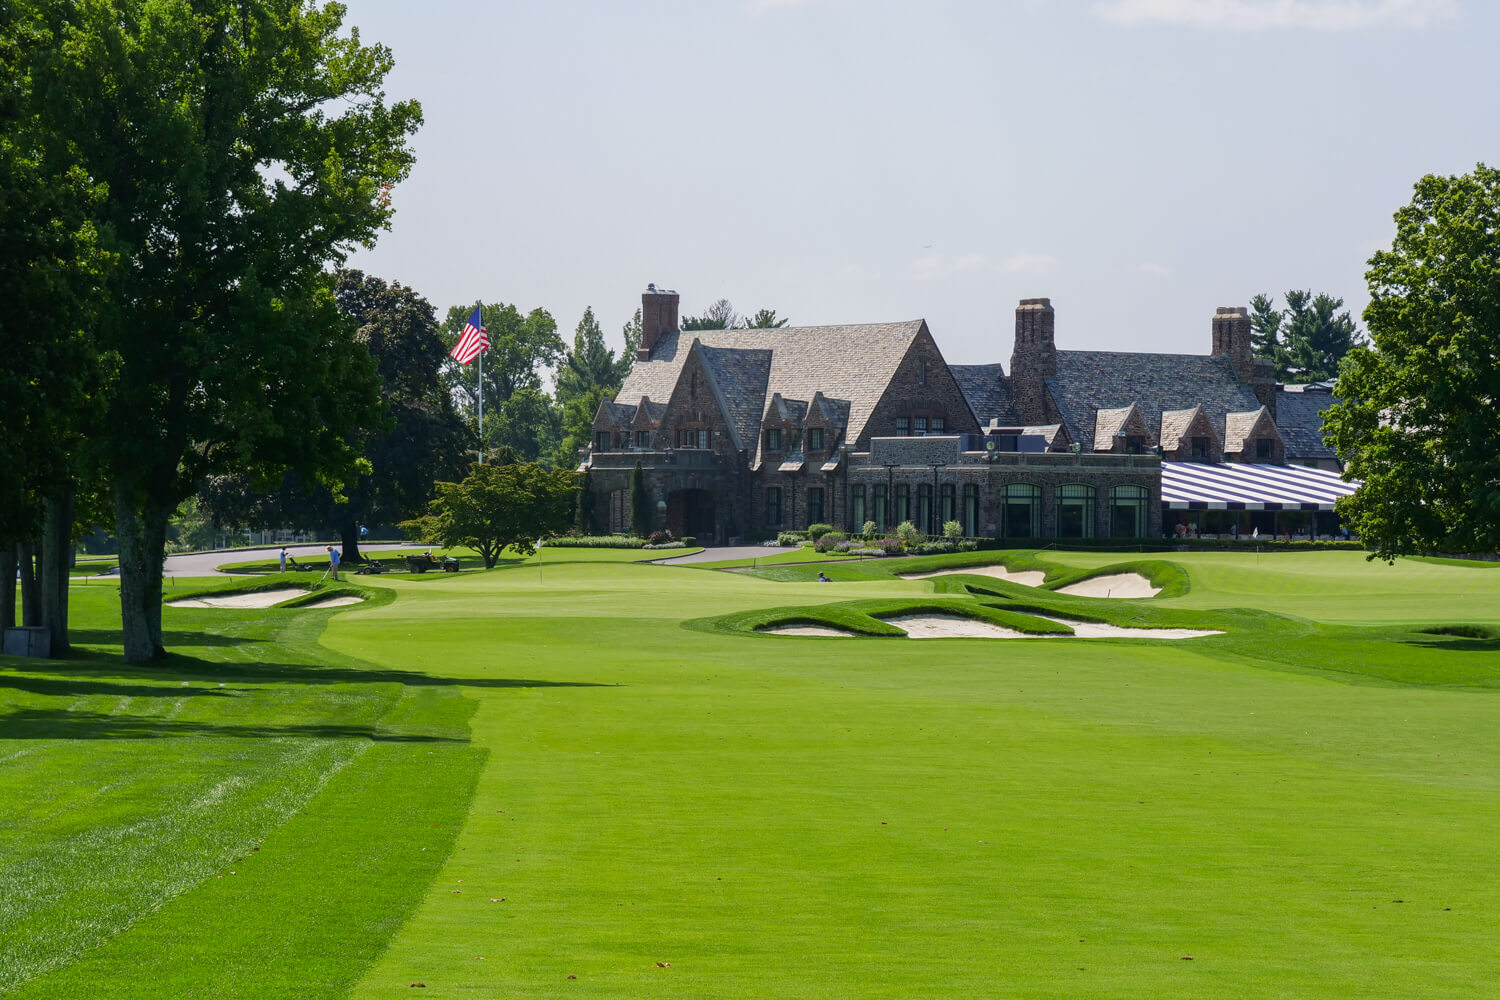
{"type": "Point", "coordinates": [633, 777]}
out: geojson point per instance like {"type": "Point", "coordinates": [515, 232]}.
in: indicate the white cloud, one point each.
{"type": "Point", "coordinates": [1029, 263]}
{"type": "Point", "coordinates": [1260, 15]}
{"type": "Point", "coordinates": [1155, 270]}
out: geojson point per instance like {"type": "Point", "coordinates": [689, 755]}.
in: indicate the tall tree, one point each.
{"type": "Point", "coordinates": [245, 146]}
{"type": "Point", "coordinates": [719, 316]}
{"type": "Point", "coordinates": [1265, 327]}
{"type": "Point", "coordinates": [588, 374]}
{"type": "Point", "coordinates": [765, 319]}
{"type": "Point", "coordinates": [1307, 339]}
{"type": "Point", "coordinates": [1417, 421]}
{"type": "Point", "coordinates": [518, 412]}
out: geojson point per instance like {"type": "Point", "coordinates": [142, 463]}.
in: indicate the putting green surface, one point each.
{"type": "Point", "coordinates": [500, 780]}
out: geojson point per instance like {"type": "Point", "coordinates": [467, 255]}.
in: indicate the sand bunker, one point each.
{"type": "Point", "coordinates": [1112, 585]}
{"type": "Point", "coordinates": [953, 626]}
{"type": "Point", "coordinates": [1027, 578]}
{"type": "Point", "coordinates": [255, 599]}
{"type": "Point", "coordinates": [837, 633]}
{"type": "Point", "coordinates": [341, 601]}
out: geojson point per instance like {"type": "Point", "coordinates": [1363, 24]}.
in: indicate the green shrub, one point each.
{"type": "Point", "coordinates": [817, 531]}
{"type": "Point", "coordinates": [909, 534]}
{"type": "Point", "coordinates": [869, 530]}
{"type": "Point", "coordinates": [952, 530]}
{"type": "Point", "coordinates": [828, 541]}
{"type": "Point", "coordinates": [790, 539]}
{"type": "Point", "coordinates": [688, 541]}
{"type": "Point", "coordinates": [596, 542]}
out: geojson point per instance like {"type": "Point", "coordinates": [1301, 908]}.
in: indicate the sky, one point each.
{"type": "Point", "coordinates": [1139, 162]}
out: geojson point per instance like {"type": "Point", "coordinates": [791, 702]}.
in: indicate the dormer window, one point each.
{"type": "Point", "coordinates": [1135, 444]}
{"type": "Point", "coordinates": [773, 439]}
{"type": "Point", "coordinates": [643, 439]}
{"type": "Point", "coordinates": [1264, 448]}
{"type": "Point", "coordinates": [601, 440]}
{"type": "Point", "coordinates": [815, 439]}
{"type": "Point", "coordinates": [1199, 447]}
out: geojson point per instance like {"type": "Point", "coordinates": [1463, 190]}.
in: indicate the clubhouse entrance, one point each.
{"type": "Point", "coordinates": [691, 512]}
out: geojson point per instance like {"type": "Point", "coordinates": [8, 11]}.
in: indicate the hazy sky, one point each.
{"type": "Point", "coordinates": [1140, 162]}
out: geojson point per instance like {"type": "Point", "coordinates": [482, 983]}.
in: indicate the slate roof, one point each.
{"type": "Point", "coordinates": [1237, 427]}
{"type": "Point", "coordinates": [1088, 381]}
{"type": "Point", "coordinates": [1174, 424]}
{"type": "Point", "coordinates": [1299, 417]}
{"type": "Point", "coordinates": [1108, 423]}
{"type": "Point", "coordinates": [654, 410]}
{"type": "Point", "coordinates": [987, 393]}
{"type": "Point", "coordinates": [850, 363]}
{"type": "Point", "coordinates": [618, 413]}
{"type": "Point", "coordinates": [740, 377]}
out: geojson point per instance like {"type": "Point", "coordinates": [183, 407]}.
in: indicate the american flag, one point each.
{"type": "Point", "coordinates": [473, 341]}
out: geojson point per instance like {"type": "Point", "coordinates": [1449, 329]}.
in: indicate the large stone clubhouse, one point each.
{"type": "Point", "coordinates": [741, 432]}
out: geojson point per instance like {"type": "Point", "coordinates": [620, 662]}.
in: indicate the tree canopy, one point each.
{"type": "Point", "coordinates": [1307, 339]}
{"type": "Point", "coordinates": [496, 507]}
{"type": "Point", "coordinates": [245, 147]}
{"type": "Point", "coordinates": [518, 413]}
{"type": "Point", "coordinates": [1418, 421]}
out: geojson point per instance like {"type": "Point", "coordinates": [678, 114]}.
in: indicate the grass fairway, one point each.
{"type": "Point", "coordinates": [1301, 807]}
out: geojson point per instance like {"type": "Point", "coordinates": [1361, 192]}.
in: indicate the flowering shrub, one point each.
{"type": "Point", "coordinates": [828, 541]}
{"type": "Point", "coordinates": [952, 530]}
{"type": "Point", "coordinates": [869, 529]}
{"type": "Point", "coordinates": [890, 546]}
{"type": "Point", "coordinates": [909, 533]}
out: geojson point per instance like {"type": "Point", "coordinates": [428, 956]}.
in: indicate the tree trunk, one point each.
{"type": "Point", "coordinates": [143, 539]}
{"type": "Point", "coordinates": [31, 597]}
{"type": "Point", "coordinates": [57, 557]}
{"type": "Point", "coordinates": [8, 590]}
{"type": "Point", "coordinates": [349, 550]}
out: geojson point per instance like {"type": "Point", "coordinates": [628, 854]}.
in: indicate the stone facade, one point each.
{"type": "Point", "coordinates": [747, 432]}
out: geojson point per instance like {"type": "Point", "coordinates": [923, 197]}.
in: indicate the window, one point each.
{"type": "Point", "coordinates": [946, 502]}
{"type": "Point", "coordinates": [643, 439]}
{"type": "Point", "coordinates": [601, 440]}
{"type": "Point", "coordinates": [703, 437]}
{"type": "Point", "coordinates": [1200, 448]}
{"type": "Point", "coordinates": [921, 373]}
{"type": "Point", "coordinates": [1127, 512]}
{"type": "Point", "coordinates": [692, 437]}
{"type": "Point", "coordinates": [1264, 448]}
{"type": "Point", "coordinates": [903, 427]}
{"type": "Point", "coordinates": [773, 505]}
{"type": "Point", "coordinates": [773, 439]}
{"type": "Point", "coordinates": [903, 503]}
{"type": "Point", "coordinates": [1023, 511]}
{"type": "Point", "coordinates": [815, 439]}
{"type": "Point", "coordinates": [971, 510]}
{"type": "Point", "coordinates": [857, 508]}
{"type": "Point", "coordinates": [1075, 511]}
{"type": "Point", "coordinates": [815, 505]}
{"type": "Point", "coordinates": [924, 508]}
{"type": "Point", "coordinates": [937, 425]}
{"type": "Point", "coordinates": [881, 519]}
{"type": "Point", "coordinates": [919, 426]}
{"type": "Point", "coordinates": [1135, 444]}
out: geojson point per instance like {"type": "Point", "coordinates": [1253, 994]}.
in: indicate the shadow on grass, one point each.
{"type": "Point", "coordinates": [60, 724]}
{"type": "Point", "coordinates": [1456, 645]}
{"type": "Point", "coordinates": [170, 637]}
{"type": "Point", "coordinates": [64, 687]}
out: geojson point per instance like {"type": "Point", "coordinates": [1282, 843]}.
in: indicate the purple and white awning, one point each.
{"type": "Point", "coordinates": [1231, 486]}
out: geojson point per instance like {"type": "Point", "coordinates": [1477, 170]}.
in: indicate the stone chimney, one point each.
{"type": "Point", "coordinates": [658, 317]}
{"type": "Point", "coordinates": [1032, 360]}
{"type": "Point", "coordinates": [1232, 337]}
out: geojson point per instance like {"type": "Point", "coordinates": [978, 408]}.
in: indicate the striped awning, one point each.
{"type": "Point", "coordinates": [1231, 486]}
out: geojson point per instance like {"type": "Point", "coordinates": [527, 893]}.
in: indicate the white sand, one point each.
{"type": "Point", "coordinates": [342, 601]}
{"type": "Point", "coordinates": [1113, 585]}
{"type": "Point", "coordinates": [256, 599]}
{"type": "Point", "coordinates": [807, 630]}
{"type": "Point", "coordinates": [1028, 578]}
{"type": "Point", "coordinates": [952, 626]}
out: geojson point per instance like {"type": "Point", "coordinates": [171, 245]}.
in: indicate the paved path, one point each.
{"type": "Point", "coordinates": [722, 553]}
{"type": "Point", "coordinates": [208, 563]}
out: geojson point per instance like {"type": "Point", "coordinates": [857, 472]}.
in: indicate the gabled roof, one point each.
{"type": "Point", "coordinates": [1119, 420]}
{"type": "Point", "coordinates": [737, 377]}
{"type": "Point", "coordinates": [1087, 381]}
{"type": "Point", "coordinates": [1239, 426]}
{"type": "Point", "coordinates": [786, 411]}
{"type": "Point", "coordinates": [619, 414]}
{"type": "Point", "coordinates": [852, 363]}
{"type": "Point", "coordinates": [648, 412]}
{"type": "Point", "coordinates": [986, 391]}
{"type": "Point", "coordinates": [1299, 418]}
{"type": "Point", "coordinates": [1175, 425]}
{"type": "Point", "coordinates": [1056, 435]}
{"type": "Point", "coordinates": [834, 412]}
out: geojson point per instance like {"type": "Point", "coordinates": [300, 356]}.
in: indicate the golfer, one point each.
{"type": "Point", "coordinates": [283, 560]}
{"type": "Point", "coordinates": [333, 562]}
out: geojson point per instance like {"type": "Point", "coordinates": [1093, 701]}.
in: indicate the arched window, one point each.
{"type": "Point", "coordinates": [857, 508]}
{"type": "Point", "coordinates": [924, 508]}
{"type": "Point", "coordinates": [971, 510]}
{"type": "Point", "coordinates": [903, 503]}
{"type": "Point", "coordinates": [1075, 511]}
{"type": "Point", "coordinates": [946, 502]}
{"type": "Point", "coordinates": [1127, 512]}
{"type": "Point", "coordinates": [1022, 517]}
{"type": "Point", "coordinates": [882, 514]}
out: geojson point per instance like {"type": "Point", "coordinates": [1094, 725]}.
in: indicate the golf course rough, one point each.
{"type": "Point", "coordinates": [597, 770]}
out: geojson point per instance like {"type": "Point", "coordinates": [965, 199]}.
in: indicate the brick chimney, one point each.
{"type": "Point", "coordinates": [658, 317]}
{"type": "Point", "coordinates": [1232, 337]}
{"type": "Point", "coordinates": [1033, 359]}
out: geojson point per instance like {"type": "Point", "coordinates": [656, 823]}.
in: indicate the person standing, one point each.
{"type": "Point", "coordinates": [283, 559]}
{"type": "Point", "coordinates": [333, 562]}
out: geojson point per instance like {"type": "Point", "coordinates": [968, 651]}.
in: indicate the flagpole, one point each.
{"type": "Point", "coordinates": [481, 392]}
